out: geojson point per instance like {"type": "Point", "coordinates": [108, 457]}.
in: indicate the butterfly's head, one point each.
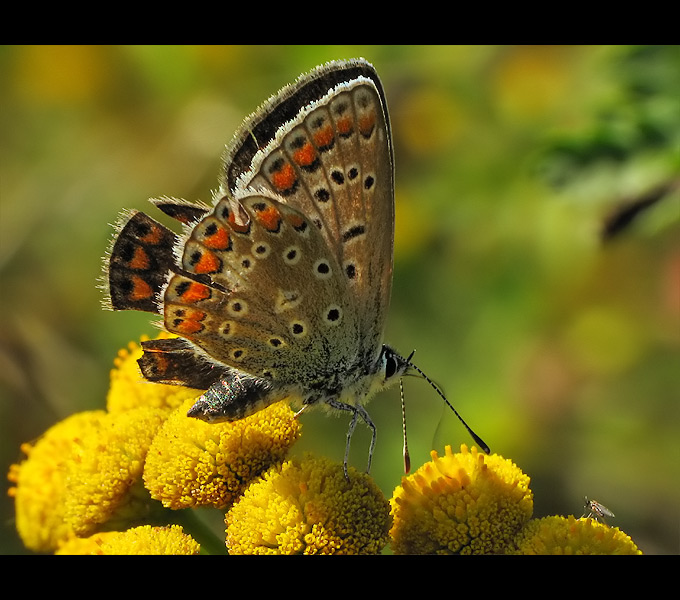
{"type": "Point", "coordinates": [392, 365]}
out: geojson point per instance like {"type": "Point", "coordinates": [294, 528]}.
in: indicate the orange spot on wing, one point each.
{"type": "Point", "coordinates": [284, 178]}
{"type": "Point", "coordinates": [188, 327]}
{"type": "Point", "coordinates": [344, 125]}
{"type": "Point", "coordinates": [161, 363]}
{"type": "Point", "coordinates": [305, 156]}
{"type": "Point", "coordinates": [269, 218]}
{"type": "Point", "coordinates": [208, 263]}
{"type": "Point", "coordinates": [218, 240]}
{"type": "Point", "coordinates": [236, 226]}
{"type": "Point", "coordinates": [324, 137]}
{"type": "Point", "coordinates": [190, 323]}
{"type": "Point", "coordinates": [155, 236]}
{"type": "Point", "coordinates": [140, 260]}
{"type": "Point", "coordinates": [195, 293]}
{"type": "Point", "coordinates": [367, 123]}
{"type": "Point", "coordinates": [296, 221]}
{"type": "Point", "coordinates": [141, 290]}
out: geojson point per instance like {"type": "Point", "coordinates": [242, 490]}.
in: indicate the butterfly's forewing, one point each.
{"type": "Point", "coordinates": [262, 126]}
{"type": "Point", "coordinates": [331, 158]}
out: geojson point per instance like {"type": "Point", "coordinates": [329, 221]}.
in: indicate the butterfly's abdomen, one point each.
{"type": "Point", "coordinates": [235, 396]}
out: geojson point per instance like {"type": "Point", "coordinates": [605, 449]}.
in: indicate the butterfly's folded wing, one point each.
{"type": "Point", "coordinates": [323, 145]}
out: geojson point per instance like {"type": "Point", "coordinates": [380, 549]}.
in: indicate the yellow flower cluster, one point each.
{"type": "Point", "coordinates": [465, 503]}
{"type": "Point", "coordinates": [309, 507]}
{"type": "Point", "coordinates": [193, 463]}
{"type": "Point", "coordinates": [100, 482]}
{"type": "Point", "coordinates": [145, 540]}
{"type": "Point", "coordinates": [469, 503]}
{"type": "Point", "coordinates": [568, 535]}
{"type": "Point", "coordinates": [86, 474]}
{"type": "Point", "coordinates": [41, 482]}
{"type": "Point", "coordinates": [105, 470]}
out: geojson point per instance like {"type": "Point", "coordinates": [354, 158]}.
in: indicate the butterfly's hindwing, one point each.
{"type": "Point", "coordinates": [302, 320]}
{"type": "Point", "coordinates": [140, 260]}
{"type": "Point", "coordinates": [142, 256]}
{"type": "Point", "coordinates": [175, 361]}
{"type": "Point", "coordinates": [181, 210]}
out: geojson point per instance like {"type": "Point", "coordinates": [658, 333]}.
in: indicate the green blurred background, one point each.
{"type": "Point", "coordinates": [557, 344]}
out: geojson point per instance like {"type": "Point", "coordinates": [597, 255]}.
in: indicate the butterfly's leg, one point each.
{"type": "Point", "coordinates": [374, 433]}
{"type": "Point", "coordinates": [355, 415]}
{"type": "Point", "coordinates": [357, 411]}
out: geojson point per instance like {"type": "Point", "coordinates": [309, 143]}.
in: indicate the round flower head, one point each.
{"type": "Point", "coordinates": [309, 507]}
{"type": "Point", "coordinates": [568, 535]}
{"type": "Point", "coordinates": [466, 503]}
{"type": "Point", "coordinates": [139, 540]}
{"type": "Point", "coordinates": [105, 473]}
{"type": "Point", "coordinates": [42, 482]}
{"type": "Point", "coordinates": [194, 463]}
{"type": "Point", "coordinates": [129, 389]}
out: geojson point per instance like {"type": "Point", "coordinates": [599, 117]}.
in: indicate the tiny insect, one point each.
{"type": "Point", "coordinates": [594, 510]}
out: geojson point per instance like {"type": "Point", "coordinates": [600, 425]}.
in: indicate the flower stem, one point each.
{"type": "Point", "coordinates": [196, 527]}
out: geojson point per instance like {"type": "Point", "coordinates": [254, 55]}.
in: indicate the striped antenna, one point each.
{"type": "Point", "coordinates": [407, 456]}
{"type": "Point", "coordinates": [479, 441]}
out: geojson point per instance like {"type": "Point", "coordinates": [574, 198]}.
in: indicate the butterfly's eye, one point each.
{"type": "Point", "coordinates": [392, 363]}
{"type": "Point", "coordinates": [391, 367]}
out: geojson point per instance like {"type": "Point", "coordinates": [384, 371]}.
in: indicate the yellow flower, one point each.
{"type": "Point", "coordinates": [568, 535]}
{"type": "Point", "coordinates": [308, 507]}
{"type": "Point", "coordinates": [105, 471]}
{"type": "Point", "coordinates": [129, 389]}
{"type": "Point", "coordinates": [42, 482]}
{"type": "Point", "coordinates": [86, 545]}
{"type": "Point", "coordinates": [138, 540]}
{"type": "Point", "coordinates": [466, 503]}
{"type": "Point", "coordinates": [194, 463]}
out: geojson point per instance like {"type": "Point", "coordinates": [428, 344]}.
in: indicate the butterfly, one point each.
{"type": "Point", "coordinates": [281, 288]}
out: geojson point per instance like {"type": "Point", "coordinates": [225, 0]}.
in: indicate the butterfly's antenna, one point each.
{"type": "Point", "coordinates": [407, 456]}
{"type": "Point", "coordinates": [475, 437]}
